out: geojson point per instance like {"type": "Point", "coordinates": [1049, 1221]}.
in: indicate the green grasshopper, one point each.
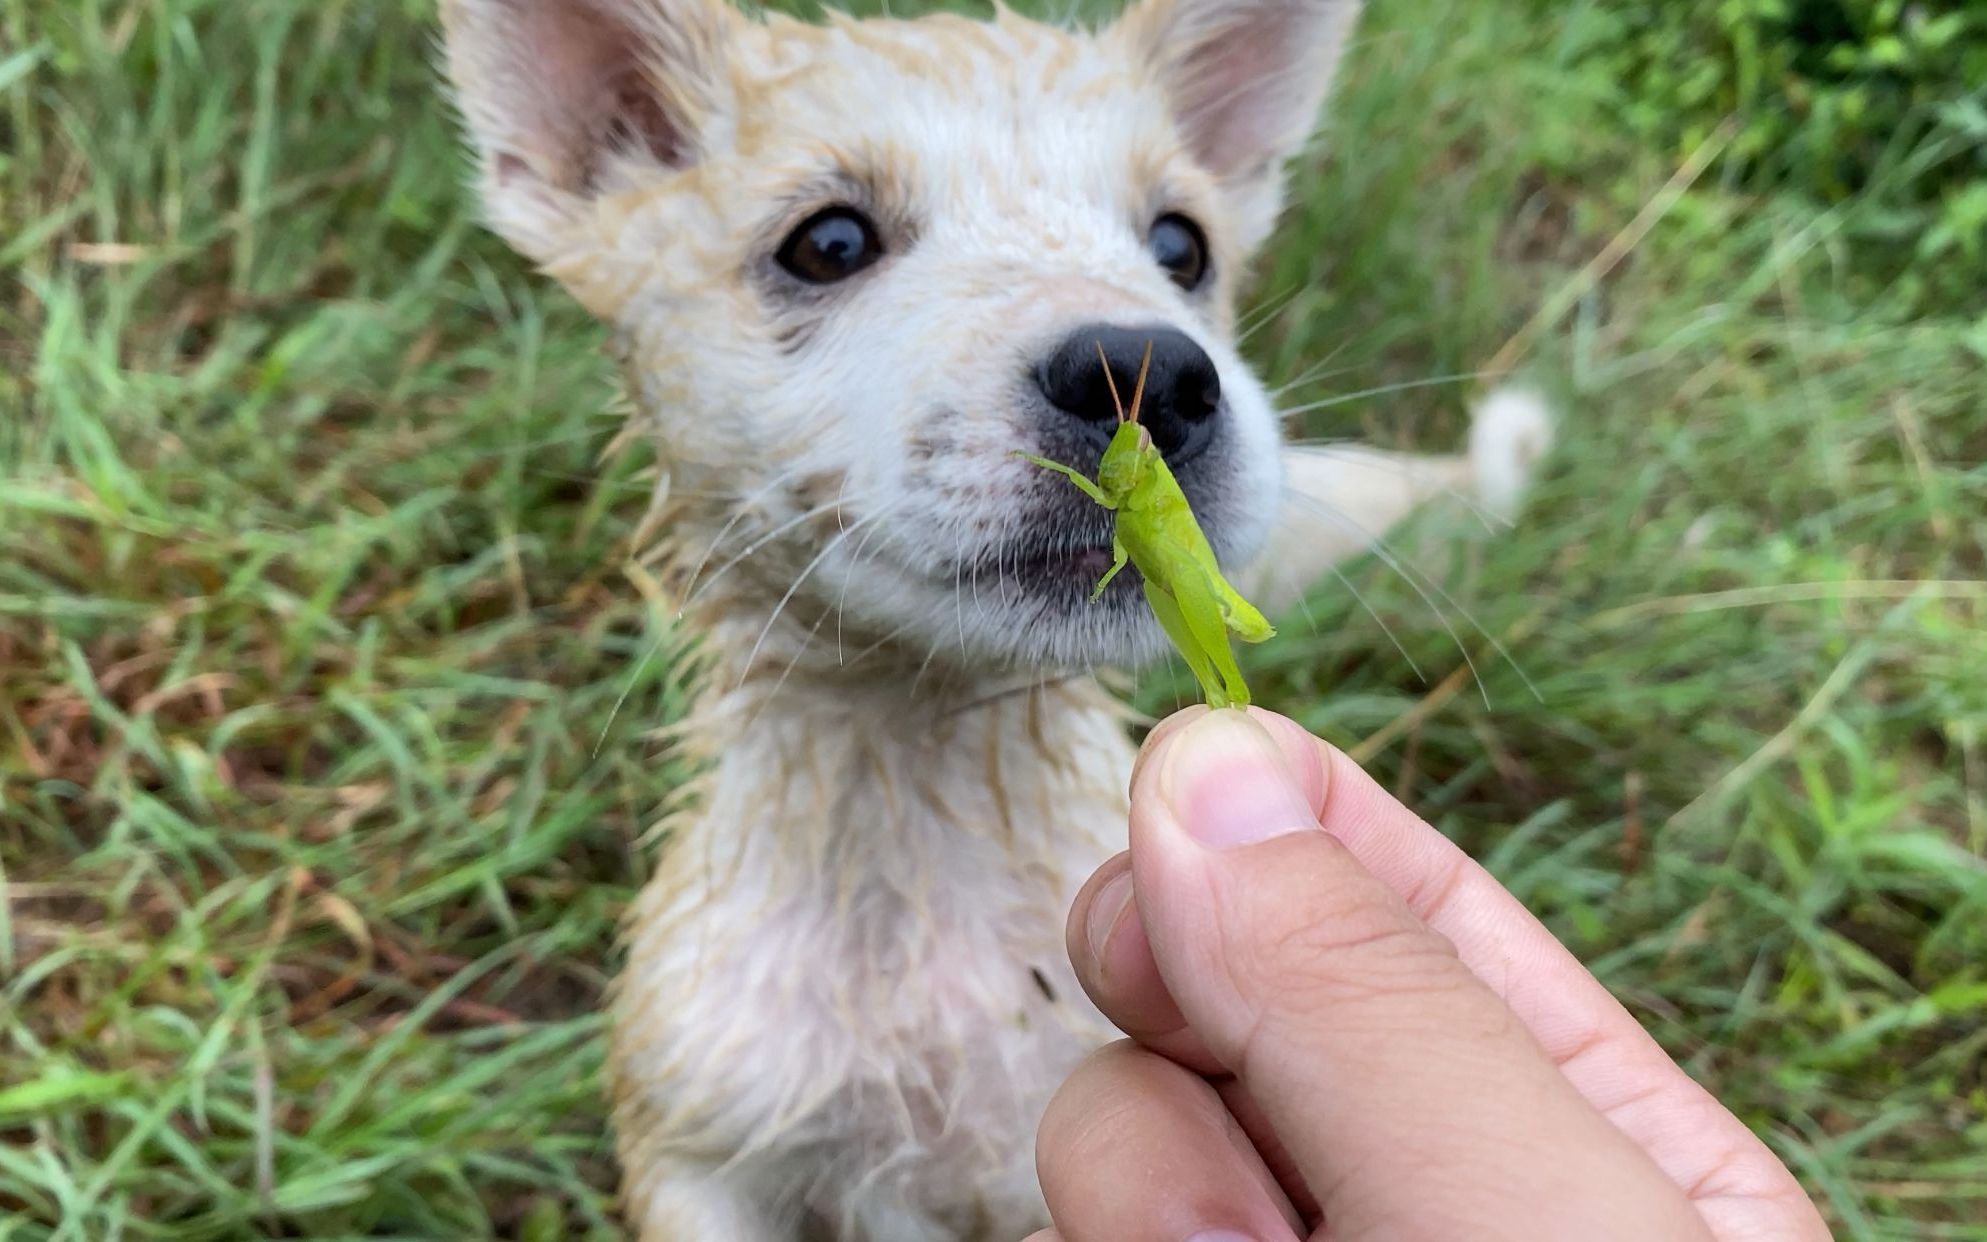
{"type": "Point", "coordinates": [1156, 531]}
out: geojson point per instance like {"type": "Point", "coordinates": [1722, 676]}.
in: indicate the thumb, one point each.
{"type": "Point", "coordinates": [1404, 1090]}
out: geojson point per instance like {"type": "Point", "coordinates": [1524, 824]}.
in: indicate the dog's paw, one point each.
{"type": "Point", "coordinates": [1510, 435]}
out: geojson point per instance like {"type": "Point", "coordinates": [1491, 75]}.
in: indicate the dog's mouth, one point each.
{"type": "Point", "coordinates": [1052, 567]}
{"type": "Point", "coordinates": [1026, 589]}
{"type": "Point", "coordinates": [1051, 564]}
{"type": "Point", "coordinates": [1085, 561]}
{"type": "Point", "coordinates": [1056, 564]}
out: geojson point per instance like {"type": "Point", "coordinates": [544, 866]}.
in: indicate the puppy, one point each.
{"type": "Point", "coordinates": [849, 268]}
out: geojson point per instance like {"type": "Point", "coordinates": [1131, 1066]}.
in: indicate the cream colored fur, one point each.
{"type": "Point", "coordinates": [846, 1000]}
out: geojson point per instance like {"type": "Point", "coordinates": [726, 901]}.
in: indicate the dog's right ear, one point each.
{"type": "Point", "coordinates": [565, 99]}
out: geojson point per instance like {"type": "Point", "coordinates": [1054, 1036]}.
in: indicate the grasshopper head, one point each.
{"type": "Point", "coordinates": [1127, 459]}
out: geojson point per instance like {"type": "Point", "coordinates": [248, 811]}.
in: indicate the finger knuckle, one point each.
{"type": "Point", "coordinates": [1342, 953]}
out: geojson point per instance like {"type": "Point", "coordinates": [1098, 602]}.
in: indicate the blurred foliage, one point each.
{"type": "Point", "coordinates": [1832, 98]}
{"type": "Point", "coordinates": [328, 685]}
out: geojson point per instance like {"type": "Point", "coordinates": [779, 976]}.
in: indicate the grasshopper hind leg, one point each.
{"type": "Point", "coordinates": [1174, 622]}
{"type": "Point", "coordinates": [1203, 613]}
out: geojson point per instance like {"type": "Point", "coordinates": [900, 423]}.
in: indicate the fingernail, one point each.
{"type": "Point", "coordinates": [1227, 783]}
{"type": "Point", "coordinates": [1106, 908]}
{"type": "Point", "coordinates": [1155, 740]}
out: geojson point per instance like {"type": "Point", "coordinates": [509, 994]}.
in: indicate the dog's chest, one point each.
{"type": "Point", "coordinates": [861, 972]}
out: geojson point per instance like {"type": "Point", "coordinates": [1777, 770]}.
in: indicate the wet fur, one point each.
{"type": "Point", "coordinates": [846, 998]}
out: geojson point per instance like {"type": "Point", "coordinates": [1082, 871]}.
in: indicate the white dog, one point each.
{"type": "Point", "coordinates": [850, 268]}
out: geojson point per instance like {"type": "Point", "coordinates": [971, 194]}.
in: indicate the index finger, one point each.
{"type": "Point", "coordinates": [1406, 1094]}
{"type": "Point", "coordinates": [1737, 1183]}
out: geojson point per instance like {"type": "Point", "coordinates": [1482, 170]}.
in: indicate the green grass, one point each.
{"type": "Point", "coordinates": [312, 622]}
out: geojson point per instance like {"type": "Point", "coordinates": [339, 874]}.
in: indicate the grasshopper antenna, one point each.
{"type": "Point", "coordinates": [1112, 380]}
{"type": "Point", "coordinates": [1138, 393]}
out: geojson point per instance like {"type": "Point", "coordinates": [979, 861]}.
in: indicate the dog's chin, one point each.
{"type": "Point", "coordinates": [1035, 606]}
{"type": "Point", "coordinates": [1027, 610]}
{"type": "Point", "coordinates": [1055, 617]}
{"type": "Point", "coordinates": [1055, 626]}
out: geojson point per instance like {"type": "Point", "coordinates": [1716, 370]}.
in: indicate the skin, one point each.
{"type": "Point", "coordinates": [1156, 531]}
{"type": "Point", "coordinates": [1342, 1027]}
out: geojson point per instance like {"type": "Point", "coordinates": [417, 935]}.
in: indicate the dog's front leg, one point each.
{"type": "Point", "coordinates": [1341, 501]}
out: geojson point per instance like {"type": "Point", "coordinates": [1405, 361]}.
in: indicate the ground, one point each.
{"type": "Point", "coordinates": [316, 813]}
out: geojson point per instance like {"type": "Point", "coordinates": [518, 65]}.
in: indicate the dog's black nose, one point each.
{"type": "Point", "coordinates": [1182, 388]}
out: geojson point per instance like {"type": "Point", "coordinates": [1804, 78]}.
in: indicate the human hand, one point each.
{"type": "Point", "coordinates": [1342, 1026]}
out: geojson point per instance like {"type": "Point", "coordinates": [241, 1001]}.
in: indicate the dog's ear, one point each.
{"type": "Point", "coordinates": [1246, 79]}
{"type": "Point", "coordinates": [566, 98]}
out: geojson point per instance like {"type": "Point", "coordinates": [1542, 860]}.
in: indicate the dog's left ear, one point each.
{"type": "Point", "coordinates": [1246, 79]}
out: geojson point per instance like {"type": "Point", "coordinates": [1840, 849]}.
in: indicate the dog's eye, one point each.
{"type": "Point", "coordinates": [830, 245]}
{"type": "Point", "coordinates": [1181, 249]}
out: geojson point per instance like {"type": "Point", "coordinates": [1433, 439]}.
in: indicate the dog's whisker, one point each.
{"type": "Point", "coordinates": [842, 596]}
{"type": "Point", "coordinates": [1317, 372]}
{"type": "Point", "coordinates": [924, 666]}
{"type": "Point", "coordinates": [958, 594]}
{"type": "Point", "coordinates": [793, 588]}
{"type": "Point", "coordinates": [754, 548]}
{"type": "Point", "coordinates": [744, 509]}
{"type": "Point", "coordinates": [1394, 562]}
{"type": "Point", "coordinates": [1030, 686]}
{"type": "Point", "coordinates": [1304, 605]}
{"type": "Point", "coordinates": [793, 663]}
{"type": "Point", "coordinates": [627, 688]}
{"type": "Point", "coordinates": [879, 644]}
{"type": "Point", "coordinates": [1267, 313]}
{"type": "Point", "coordinates": [1422, 584]}
{"type": "Point", "coordinates": [979, 605]}
{"type": "Point", "coordinates": [1383, 390]}
{"type": "Point", "coordinates": [1326, 442]}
